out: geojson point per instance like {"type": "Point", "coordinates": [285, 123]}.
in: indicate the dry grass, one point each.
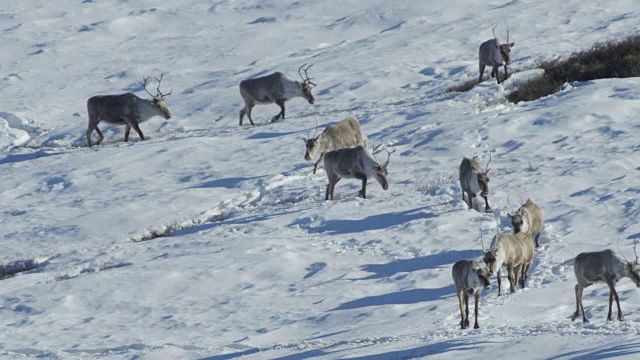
{"type": "Point", "coordinates": [18, 266]}
{"type": "Point", "coordinates": [613, 59]}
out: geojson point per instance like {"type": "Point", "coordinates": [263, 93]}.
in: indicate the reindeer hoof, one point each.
{"type": "Point", "coordinates": [620, 318]}
{"type": "Point", "coordinates": [476, 326]}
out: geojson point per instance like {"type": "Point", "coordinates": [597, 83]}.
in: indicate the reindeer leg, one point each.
{"type": "Point", "coordinates": [512, 288]}
{"type": "Point", "coordinates": [497, 74]}
{"type": "Point", "coordinates": [281, 104]}
{"type": "Point", "coordinates": [470, 197]}
{"type": "Point", "coordinates": [363, 192]}
{"type": "Point", "coordinates": [609, 317]}
{"type": "Point", "coordinates": [477, 295]}
{"type": "Point", "coordinates": [499, 276]}
{"type": "Point", "coordinates": [242, 112]}
{"type": "Point", "coordinates": [615, 294]}
{"type": "Point", "coordinates": [100, 135]}
{"type": "Point", "coordinates": [461, 303]}
{"type": "Point", "coordinates": [575, 314]}
{"type": "Point", "coordinates": [89, 131]}
{"type": "Point", "coordinates": [487, 208]}
{"type": "Point", "coordinates": [466, 309]}
{"type": "Point", "coordinates": [481, 72]}
{"type": "Point", "coordinates": [136, 127]}
{"type": "Point", "coordinates": [318, 163]}
{"type": "Point", "coordinates": [538, 240]}
{"type": "Point", "coordinates": [249, 108]}
{"type": "Point", "coordinates": [505, 72]}
{"type": "Point", "coordinates": [584, 316]}
{"type": "Point", "coordinates": [127, 129]}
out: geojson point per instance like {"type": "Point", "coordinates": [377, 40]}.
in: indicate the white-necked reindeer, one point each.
{"type": "Point", "coordinates": [495, 54]}
{"type": "Point", "coordinates": [275, 88]}
{"type": "Point", "coordinates": [344, 134]}
{"type": "Point", "coordinates": [603, 266]}
{"type": "Point", "coordinates": [528, 219]}
{"type": "Point", "coordinates": [513, 251]}
{"type": "Point", "coordinates": [126, 109]}
{"type": "Point", "coordinates": [474, 181]}
{"type": "Point", "coordinates": [354, 163]}
{"type": "Point", "coordinates": [469, 278]}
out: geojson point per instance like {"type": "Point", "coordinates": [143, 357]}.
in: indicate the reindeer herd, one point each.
{"type": "Point", "coordinates": [344, 150]}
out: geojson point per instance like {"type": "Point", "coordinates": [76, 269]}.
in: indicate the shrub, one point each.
{"type": "Point", "coordinates": [612, 59]}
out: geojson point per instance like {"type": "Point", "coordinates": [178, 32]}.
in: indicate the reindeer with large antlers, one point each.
{"type": "Point", "coordinates": [495, 54]}
{"type": "Point", "coordinates": [126, 109]}
{"type": "Point", "coordinates": [344, 134]}
{"type": "Point", "coordinates": [275, 88]}
{"type": "Point", "coordinates": [474, 181]}
{"type": "Point", "coordinates": [603, 266]}
{"type": "Point", "coordinates": [355, 163]}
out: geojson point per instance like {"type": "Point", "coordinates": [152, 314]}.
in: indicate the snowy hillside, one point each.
{"type": "Point", "coordinates": [256, 264]}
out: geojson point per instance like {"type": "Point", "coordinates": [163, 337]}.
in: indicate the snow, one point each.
{"type": "Point", "coordinates": [255, 263]}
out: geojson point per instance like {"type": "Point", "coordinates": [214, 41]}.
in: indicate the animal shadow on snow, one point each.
{"type": "Point", "coordinates": [412, 296]}
{"type": "Point", "coordinates": [607, 351]}
{"type": "Point", "coordinates": [228, 183]}
{"type": "Point", "coordinates": [374, 222]}
{"type": "Point", "coordinates": [419, 263]}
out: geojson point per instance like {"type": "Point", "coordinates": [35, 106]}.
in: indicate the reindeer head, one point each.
{"type": "Point", "coordinates": [483, 179]}
{"type": "Point", "coordinates": [311, 143]}
{"type": "Point", "coordinates": [505, 49]}
{"type": "Point", "coordinates": [158, 99]}
{"type": "Point", "coordinates": [306, 84]}
{"type": "Point", "coordinates": [633, 268]}
{"type": "Point", "coordinates": [484, 274]}
{"type": "Point", "coordinates": [517, 219]}
{"type": "Point", "coordinates": [381, 170]}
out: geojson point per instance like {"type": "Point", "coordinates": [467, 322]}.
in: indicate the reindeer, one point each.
{"type": "Point", "coordinates": [344, 134]}
{"type": "Point", "coordinates": [606, 266]}
{"type": "Point", "coordinates": [511, 251]}
{"type": "Point", "coordinates": [493, 53]}
{"type": "Point", "coordinates": [126, 109]}
{"type": "Point", "coordinates": [528, 219]}
{"type": "Point", "coordinates": [275, 88]}
{"type": "Point", "coordinates": [355, 163]}
{"type": "Point", "coordinates": [469, 278]}
{"type": "Point", "coordinates": [474, 180]}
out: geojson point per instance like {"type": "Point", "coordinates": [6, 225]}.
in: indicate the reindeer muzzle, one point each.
{"type": "Point", "coordinates": [312, 100]}
{"type": "Point", "coordinates": [385, 184]}
{"type": "Point", "coordinates": [307, 157]}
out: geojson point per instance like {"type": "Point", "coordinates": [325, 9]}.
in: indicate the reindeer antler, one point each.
{"type": "Point", "coordinates": [634, 250]}
{"type": "Point", "coordinates": [493, 30]}
{"type": "Point", "coordinates": [481, 241]}
{"type": "Point", "coordinates": [388, 157]}
{"type": "Point", "coordinates": [144, 85]}
{"type": "Point", "coordinates": [507, 31]}
{"type": "Point", "coordinates": [305, 78]}
{"type": "Point", "coordinates": [486, 169]}
{"type": "Point", "coordinates": [620, 249]}
{"type": "Point", "coordinates": [160, 95]}
{"type": "Point", "coordinates": [316, 131]}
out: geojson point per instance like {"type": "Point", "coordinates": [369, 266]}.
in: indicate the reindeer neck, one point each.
{"type": "Point", "coordinates": [147, 110]}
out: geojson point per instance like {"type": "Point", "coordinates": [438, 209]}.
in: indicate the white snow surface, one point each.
{"type": "Point", "coordinates": [256, 264]}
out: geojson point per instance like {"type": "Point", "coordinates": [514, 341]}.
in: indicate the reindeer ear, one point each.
{"type": "Point", "coordinates": [483, 252]}
{"type": "Point", "coordinates": [511, 44]}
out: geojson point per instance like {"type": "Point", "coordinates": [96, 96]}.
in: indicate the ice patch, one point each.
{"type": "Point", "coordinates": [16, 130]}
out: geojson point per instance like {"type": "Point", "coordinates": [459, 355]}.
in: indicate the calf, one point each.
{"type": "Point", "coordinates": [344, 134]}
{"type": "Point", "coordinates": [528, 219]}
{"type": "Point", "coordinates": [511, 251]}
{"type": "Point", "coordinates": [474, 181]}
{"type": "Point", "coordinates": [469, 278]}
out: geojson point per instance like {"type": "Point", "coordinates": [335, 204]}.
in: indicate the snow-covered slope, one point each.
{"type": "Point", "coordinates": [256, 264]}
